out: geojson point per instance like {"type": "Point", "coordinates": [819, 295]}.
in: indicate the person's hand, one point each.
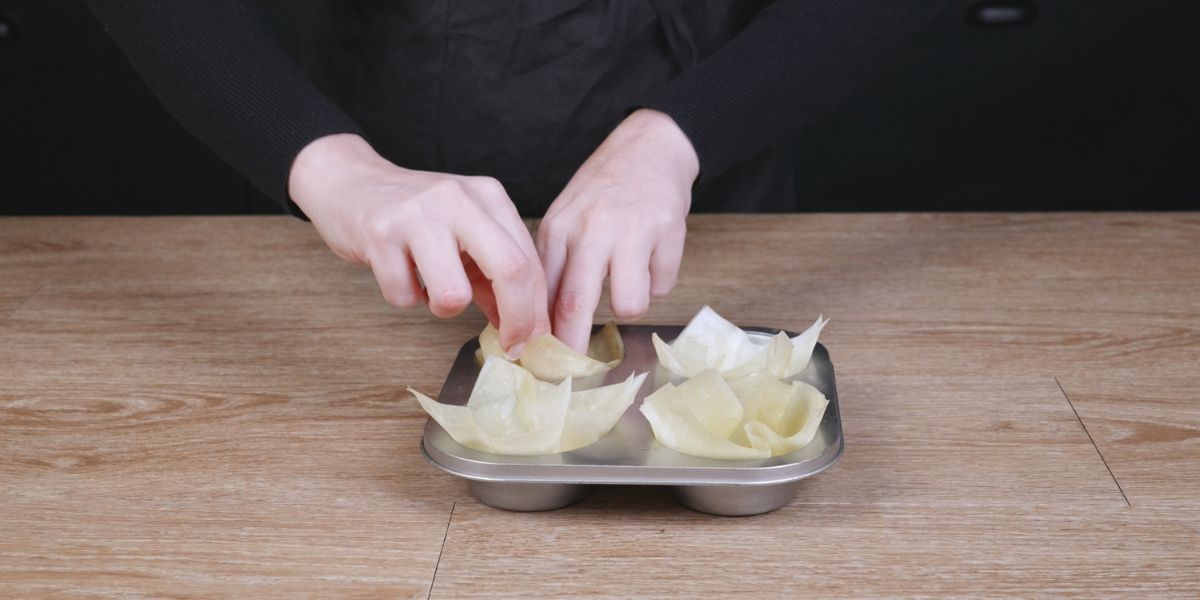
{"type": "Point", "coordinates": [622, 215]}
{"type": "Point", "coordinates": [462, 235]}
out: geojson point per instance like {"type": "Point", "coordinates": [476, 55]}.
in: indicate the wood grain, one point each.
{"type": "Point", "coordinates": [195, 490]}
{"type": "Point", "coordinates": [214, 407]}
{"type": "Point", "coordinates": [630, 542]}
{"type": "Point", "coordinates": [963, 295]}
{"type": "Point", "coordinates": [15, 293]}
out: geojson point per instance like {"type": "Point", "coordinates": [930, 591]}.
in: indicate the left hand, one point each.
{"type": "Point", "coordinates": [623, 215]}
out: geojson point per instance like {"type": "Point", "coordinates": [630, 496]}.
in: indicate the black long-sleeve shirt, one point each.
{"type": "Point", "coordinates": [739, 77]}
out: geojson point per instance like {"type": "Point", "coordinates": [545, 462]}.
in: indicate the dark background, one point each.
{"type": "Point", "coordinates": [1091, 105]}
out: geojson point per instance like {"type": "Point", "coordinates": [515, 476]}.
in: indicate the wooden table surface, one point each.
{"type": "Point", "coordinates": [201, 407]}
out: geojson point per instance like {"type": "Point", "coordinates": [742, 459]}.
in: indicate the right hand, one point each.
{"type": "Point", "coordinates": [461, 234]}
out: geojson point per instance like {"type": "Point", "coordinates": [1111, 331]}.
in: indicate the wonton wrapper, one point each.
{"type": "Point", "coordinates": [677, 424]}
{"type": "Point", "coordinates": [593, 413]}
{"type": "Point", "coordinates": [551, 360]}
{"type": "Point", "coordinates": [711, 342]}
{"type": "Point", "coordinates": [786, 416]}
{"type": "Point", "coordinates": [751, 418]}
{"type": "Point", "coordinates": [511, 412]}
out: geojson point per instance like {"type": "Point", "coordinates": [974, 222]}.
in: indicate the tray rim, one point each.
{"type": "Point", "coordinates": [720, 473]}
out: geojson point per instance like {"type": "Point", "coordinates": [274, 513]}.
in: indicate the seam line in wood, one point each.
{"type": "Point", "coordinates": [446, 535]}
{"type": "Point", "coordinates": [1093, 441]}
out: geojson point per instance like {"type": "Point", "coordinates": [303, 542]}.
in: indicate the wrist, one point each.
{"type": "Point", "coordinates": [322, 170]}
{"type": "Point", "coordinates": [666, 139]}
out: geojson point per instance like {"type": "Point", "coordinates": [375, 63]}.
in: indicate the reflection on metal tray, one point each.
{"type": "Point", "coordinates": [629, 454]}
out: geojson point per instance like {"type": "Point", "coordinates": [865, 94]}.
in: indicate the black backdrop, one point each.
{"type": "Point", "coordinates": [1091, 105]}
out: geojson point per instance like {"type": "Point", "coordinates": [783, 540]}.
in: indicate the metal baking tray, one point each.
{"type": "Point", "coordinates": [629, 454]}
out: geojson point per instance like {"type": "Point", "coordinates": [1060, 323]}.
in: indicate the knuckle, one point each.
{"type": "Point", "coordinates": [381, 228]}
{"type": "Point", "coordinates": [595, 219]}
{"type": "Point", "coordinates": [629, 308]}
{"type": "Point", "coordinates": [660, 220]}
{"type": "Point", "coordinates": [572, 303]}
{"type": "Point", "coordinates": [488, 187]}
{"type": "Point", "coordinates": [450, 299]}
{"type": "Point", "coordinates": [514, 266]}
{"type": "Point", "coordinates": [517, 326]}
{"type": "Point", "coordinates": [662, 288]}
{"type": "Point", "coordinates": [448, 304]}
{"type": "Point", "coordinates": [400, 298]}
{"type": "Point", "coordinates": [552, 231]}
{"type": "Point", "coordinates": [350, 255]}
{"type": "Point", "coordinates": [447, 188]}
{"type": "Point", "coordinates": [397, 294]}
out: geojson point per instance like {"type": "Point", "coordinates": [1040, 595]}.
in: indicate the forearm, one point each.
{"type": "Point", "coordinates": [223, 75]}
{"type": "Point", "coordinates": [791, 66]}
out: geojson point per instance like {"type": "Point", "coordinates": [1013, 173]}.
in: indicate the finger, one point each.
{"type": "Point", "coordinates": [506, 215]}
{"type": "Point", "coordinates": [579, 293]}
{"type": "Point", "coordinates": [481, 288]}
{"type": "Point", "coordinates": [436, 255]}
{"type": "Point", "coordinates": [512, 274]}
{"type": "Point", "coordinates": [553, 253]}
{"type": "Point", "coordinates": [664, 263]}
{"type": "Point", "coordinates": [629, 281]}
{"type": "Point", "coordinates": [397, 278]}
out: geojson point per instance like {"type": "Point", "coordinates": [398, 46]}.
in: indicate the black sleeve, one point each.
{"type": "Point", "coordinates": [218, 69]}
{"type": "Point", "coordinates": [788, 68]}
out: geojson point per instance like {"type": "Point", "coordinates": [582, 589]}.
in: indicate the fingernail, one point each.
{"type": "Point", "coordinates": [515, 352]}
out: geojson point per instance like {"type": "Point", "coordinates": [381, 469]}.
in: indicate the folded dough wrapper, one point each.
{"type": "Point", "coordinates": [512, 412]}
{"type": "Point", "coordinates": [782, 416]}
{"type": "Point", "coordinates": [753, 417]}
{"type": "Point", "coordinates": [677, 426]}
{"type": "Point", "coordinates": [709, 341]}
{"type": "Point", "coordinates": [551, 360]}
{"type": "Point", "coordinates": [593, 413]}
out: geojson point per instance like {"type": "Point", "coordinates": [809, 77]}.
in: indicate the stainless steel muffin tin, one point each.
{"type": "Point", "coordinates": [629, 454]}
